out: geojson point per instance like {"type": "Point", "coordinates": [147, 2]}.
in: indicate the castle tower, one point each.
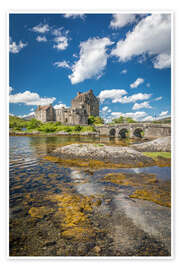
{"type": "Point", "coordinates": [87, 101]}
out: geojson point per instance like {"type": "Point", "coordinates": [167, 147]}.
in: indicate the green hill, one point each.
{"type": "Point", "coordinates": [163, 121]}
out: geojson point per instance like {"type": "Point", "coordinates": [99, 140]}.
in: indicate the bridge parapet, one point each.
{"type": "Point", "coordinates": [148, 130]}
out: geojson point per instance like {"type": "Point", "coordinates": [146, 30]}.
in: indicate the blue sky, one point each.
{"type": "Point", "coordinates": [124, 58]}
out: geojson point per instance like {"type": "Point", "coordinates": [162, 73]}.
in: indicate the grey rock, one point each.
{"type": "Point", "coordinates": [159, 145]}
{"type": "Point", "coordinates": [114, 154]}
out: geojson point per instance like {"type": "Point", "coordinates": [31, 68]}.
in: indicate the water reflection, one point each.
{"type": "Point", "coordinates": [43, 195]}
{"type": "Point", "coordinates": [163, 173]}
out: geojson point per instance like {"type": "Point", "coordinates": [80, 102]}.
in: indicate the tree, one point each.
{"type": "Point", "coordinates": [122, 119]}
{"type": "Point", "coordinates": [95, 120]}
{"type": "Point", "coordinates": [33, 123]}
{"type": "Point", "coordinates": [118, 120]}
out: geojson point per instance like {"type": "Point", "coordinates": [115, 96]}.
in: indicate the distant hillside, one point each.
{"type": "Point", "coordinates": [163, 121]}
{"type": "Point", "coordinates": [28, 117]}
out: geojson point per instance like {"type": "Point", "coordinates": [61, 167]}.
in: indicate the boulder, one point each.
{"type": "Point", "coordinates": [159, 145]}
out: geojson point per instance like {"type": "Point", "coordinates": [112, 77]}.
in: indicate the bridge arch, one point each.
{"type": "Point", "coordinates": [138, 132]}
{"type": "Point", "coordinates": [123, 133]}
{"type": "Point", "coordinates": [112, 132]}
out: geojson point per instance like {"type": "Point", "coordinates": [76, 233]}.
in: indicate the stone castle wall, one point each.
{"type": "Point", "coordinates": [87, 101]}
{"type": "Point", "coordinates": [83, 106]}
{"type": "Point", "coordinates": [71, 116]}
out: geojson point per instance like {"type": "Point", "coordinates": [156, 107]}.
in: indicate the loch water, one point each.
{"type": "Point", "coordinates": [65, 211]}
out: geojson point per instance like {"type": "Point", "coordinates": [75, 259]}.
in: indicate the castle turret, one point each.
{"type": "Point", "coordinates": [89, 101]}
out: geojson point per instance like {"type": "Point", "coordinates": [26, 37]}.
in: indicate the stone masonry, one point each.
{"type": "Point", "coordinates": [83, 106]}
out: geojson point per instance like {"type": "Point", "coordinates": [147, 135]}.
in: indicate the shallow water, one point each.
{"type": "Point", "coordinates": [108, 219]}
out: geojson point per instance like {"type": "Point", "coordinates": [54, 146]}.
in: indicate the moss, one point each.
{"type": "Point", "coordinates": [155, 155]}
{"type": "Point", "coordinates": [160, 197]}
{"type": "Point", "coordinates": [99, 145]}
{"type": "Point", "coordinates": [162, 159]}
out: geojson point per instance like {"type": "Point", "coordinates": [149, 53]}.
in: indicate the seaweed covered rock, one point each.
{"type": "Point", "coordinates": [113, 154]}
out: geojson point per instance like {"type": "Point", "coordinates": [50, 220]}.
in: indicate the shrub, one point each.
{"type": "Point", "coordinates": [95, 120]}
{"type": "Point", "coordinates": [77, 128]}
{"type": "Point", "coordinates": [33, 124]}
{"type": "Point", "coordinates": [48, 127]}
{"type": "Point", "coordinates": [17, 123]}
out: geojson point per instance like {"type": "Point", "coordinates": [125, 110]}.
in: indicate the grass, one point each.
{"type": "Point", "coordinates": [156, 155]}
{"type": "Point", "coordinates": [17, 125]}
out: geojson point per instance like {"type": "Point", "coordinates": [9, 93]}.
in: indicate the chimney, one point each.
{"type": "Point", "coordinates": [78, 93]}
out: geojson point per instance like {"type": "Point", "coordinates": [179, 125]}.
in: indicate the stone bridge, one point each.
{"type": "Point", "coordinates": [146, 130]}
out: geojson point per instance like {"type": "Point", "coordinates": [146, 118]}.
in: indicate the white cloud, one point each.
{"type": "Point", "coordinates": [120, 20]}
{"type": "Point", "coordinates": [104, 109]}
{"type": "Point", "coordinates": [41, 39]}
{"type": "Point", "coordinates": [158, 98]}
{"type": "Point", "coordinates": [137, 82]}
{"type": "Point", "coordinates": [10, 89]}
{"type": "Point", "coordinates": [63, 64]}
{"type": "Point", "coordinates": [74, 15]}
{"type": "Point", "coordinates": [26, 115]}
{"type": "Point", "coordinates": [41, 28]}
{"type": "Point", "coordinates": [148, 84]}
{"type": "Point", "coordinates": [16, 48]}
{"type": "Point", "coordinates": [133, 98]}
{"type": "Point", "coordinates": [152, 36]}
{"type": "Point", "coordinates": [136, 116]}
{"type": "Point", "coordinates": [59, 32]}
{"type": "Point", "coordinates": [118, 95]}
{"type": "Point", "coordinates": [30, 98]}
{"type": "Point", "coordinates": [148, 118]}
{"type": "Point", "coordinates": [162, 61]}
{"type": "Point", "coordinates": [61, 38]}
{"type": "Point", "coordinates": [93, 59]}
{"type": "Point", "coordinates": [60, 105]}
{"type": "Point", "coordinates": [163, 113]}
{"type": "Point", "coordinates": [138, 106]}
{"type": "Point", "coordinates": [161, 116]}
{"type": "Point", "coordinates": [124, 71]}
{"type": "Point", "coordinates": [106, 114]}
{"type": "Point", "coordinates": [114, 94]}
{"type": "Point", "coordinates": [61, 43]}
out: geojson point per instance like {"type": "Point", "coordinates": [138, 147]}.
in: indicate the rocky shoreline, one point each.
{"type": "Point", "coordinates": [112, 154]}
{"type": "Point", "coordinates": [131, 155]}
{"type": "Point", "coordinates": [60, 133]}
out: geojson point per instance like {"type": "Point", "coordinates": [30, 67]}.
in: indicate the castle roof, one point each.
{"type": "Point", "coordinates": [43, 108]}
{"type": "Point", "coordinates": [79, 94]}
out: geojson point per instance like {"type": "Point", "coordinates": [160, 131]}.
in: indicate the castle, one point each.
{"type": "Point", "coordinates": [83, 105]}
